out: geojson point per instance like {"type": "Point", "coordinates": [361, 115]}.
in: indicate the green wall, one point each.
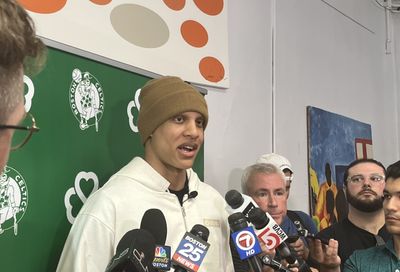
{"type": "Point", "coordinates": [48, 178]}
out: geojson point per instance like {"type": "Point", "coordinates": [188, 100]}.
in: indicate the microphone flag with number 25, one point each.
{"type": "Point", "coordinates": [190, 252]}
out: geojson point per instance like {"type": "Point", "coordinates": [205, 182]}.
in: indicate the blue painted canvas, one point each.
{"type": "Point", "coordinates": [333, 142]}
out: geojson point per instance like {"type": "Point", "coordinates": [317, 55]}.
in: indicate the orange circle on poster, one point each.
{"type": "Point", "coordinates": [210, 7]}
{"type": "Point", "coordinates": [211, 69]}
{"type": "Point", "coordinates": [175, 4]}
{"type": "Point", "coordinates": [194, 33]}
{"type": "Point", "coordinates": [43, 6]}
{"type": "Point", "coordinates": [101, 2]}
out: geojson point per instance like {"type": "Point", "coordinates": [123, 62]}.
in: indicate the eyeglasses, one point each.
{"type": "Point", "coordinates": [23, 132]}
{"type": "Point", "coordinates": [374, 178]}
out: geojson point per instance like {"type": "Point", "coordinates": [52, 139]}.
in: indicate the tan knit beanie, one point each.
{"type": "Point", "coordinates": [164, 97]}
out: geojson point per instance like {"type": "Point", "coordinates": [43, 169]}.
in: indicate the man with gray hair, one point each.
{"type": "Point", "coordinates": [280, 162]}
{"type": "Point", "coordinates": [285, 166]}
{"type": "Point", "coordinates": [266, 184]}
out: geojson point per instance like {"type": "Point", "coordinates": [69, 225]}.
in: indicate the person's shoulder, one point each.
{"type": "Point", "coordinates": [328, 232]}
{"type": "Point", "coordinates": [363, 260]}
{"type": "Point", "coordinates": [363, 255]}
{"type": "Point", "coordinates": [300, 213]}
{"type": "Point", "coordinates": [201, 185]}
{"type": "Point", "coordinates": [210, 190]}
{"type": "Point", "coordinates": [335, 231]}
{"type": "Point", "coordinates": [305, 219]}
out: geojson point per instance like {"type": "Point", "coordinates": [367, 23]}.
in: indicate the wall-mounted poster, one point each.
{"type": "Point", "coordinates": [333, 142]}
{"type": "Point", "coordinates": [183, 38]}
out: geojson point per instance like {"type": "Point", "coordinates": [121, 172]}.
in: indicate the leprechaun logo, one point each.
{"type": "Point", "coordinates": [13, 199]}
{"type": "Point", "coordinates": [86, 99]}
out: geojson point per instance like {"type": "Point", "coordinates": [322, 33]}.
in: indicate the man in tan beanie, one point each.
{"type": "Point", "coordinates": [172, 119]}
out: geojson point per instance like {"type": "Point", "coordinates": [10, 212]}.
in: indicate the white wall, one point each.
{"type": "Point", "coordinates": [327, 55]}
{"type": "Point", "coordinates": [396, 67]}
{"type": "Point", "coordinates": [239, 125]}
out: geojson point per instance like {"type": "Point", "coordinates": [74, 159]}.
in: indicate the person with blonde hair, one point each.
{"type": "Point", "coordinates": [21, 51]}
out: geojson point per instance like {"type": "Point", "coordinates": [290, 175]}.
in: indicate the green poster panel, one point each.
{"type": "Point", "coordinates": [87, 114]}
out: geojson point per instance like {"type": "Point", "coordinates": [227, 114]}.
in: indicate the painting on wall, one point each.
{"type": "Point", "coordinates": [333, 142]}
{"type": "Point", "coordinates": [183, 38]}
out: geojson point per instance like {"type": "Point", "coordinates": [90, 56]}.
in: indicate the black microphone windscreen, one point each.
{"type": "Point", "coordinates": [234, 199]}
{"type": "Point", "coordinates": [284, 252]}
{"type": "Point", "coordinates": [192, 194]}
{"type": "Point", "coordinates": [134, 243]}
{"type": "Point", "coordinates": [258, 218]}
{"type": "Point", "coordinates": [237, 221]}
{"type": "Point", "coordinates": [126, 240]}
{"type": "Point", "coordinates": [154, 222]}
{"type": "Point", "coordinates": [200, 231]}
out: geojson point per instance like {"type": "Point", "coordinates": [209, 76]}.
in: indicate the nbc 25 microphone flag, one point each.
{"type": "Point", "coordinates": [246, 243]}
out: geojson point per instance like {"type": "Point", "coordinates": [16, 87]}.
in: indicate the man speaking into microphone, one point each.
{"type": "Point", "coordinates": [172, 118]}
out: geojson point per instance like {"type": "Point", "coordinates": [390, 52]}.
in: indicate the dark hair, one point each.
{"type": "Point", "coordinates": [393, 171]}
{"type": "Point", "coordinates": [354, 163]}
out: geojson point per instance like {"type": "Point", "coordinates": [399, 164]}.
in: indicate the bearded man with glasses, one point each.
{"type": "Point", "coordinates": [364, 227]}
{"type": "Point", "coordinates": [21, 51]}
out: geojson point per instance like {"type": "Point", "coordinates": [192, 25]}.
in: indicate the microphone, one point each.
{"type": "Point", "coordinates": [154, 222]}
{"type": "Point", "coordinates": [191, 250]}
{"type": "Point", "coordinates": [192, 194]}
{"type": "Point", "coordinates": [301, 231]}
{"type": "Point", "coordinates": [274, 237]}
{"type": "Point", "coordinates": [271, 234]}
{"type": "Point", "coordinates": [277, 266]}
{"type": "Point", "coordinates": [239, 202]}
{"type": "Point", "coordinates": [266, 228]}
{"type": "Point", "coordinates": [135, 252]}
{"type": "Point", "coordinates": [245, 240]}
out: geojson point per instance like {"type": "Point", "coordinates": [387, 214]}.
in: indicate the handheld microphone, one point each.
{"type": "Point", "coordinates": [154, 221]}
{"type": "Point", "coordinates": [135, 252]}
{"type": "Point", "coordinates": [191, 250]}
{"type": "Point", "coordinates": [239, 202]}
{"type": "Point", "coordinates": [301, 231]}
{"type": "Point", "coordinates": [266, 228]}
{"type": "Point", "coordinates": [271, 234]}
{"type": "Point", "coordinates": [277, 266]}
{"type": "Point", "coordinates": [245, 240]}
